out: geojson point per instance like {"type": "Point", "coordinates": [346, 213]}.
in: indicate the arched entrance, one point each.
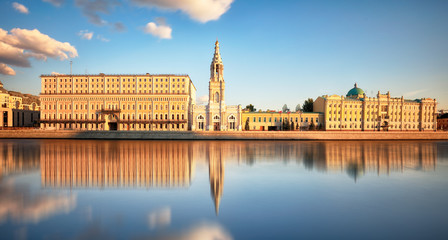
{"type": "Point", "coordinates": [112, 122]}
{"type": "Point", "coordinates": [216, 123]}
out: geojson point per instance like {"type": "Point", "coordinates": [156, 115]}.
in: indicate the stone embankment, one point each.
{"type": "Point", "coordinates": [155, 135]}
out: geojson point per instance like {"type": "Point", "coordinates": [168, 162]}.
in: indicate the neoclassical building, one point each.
{"type": "Point", "coordinates": [117, 102]}
{"type": "Point", "coordinates": [216, 115]}
{"type": "Point", "coordinates": [356, 111]}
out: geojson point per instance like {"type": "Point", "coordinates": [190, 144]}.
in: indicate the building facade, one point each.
{"type": "Point", "coordinates": [279, 121]}
{"type": "Point", "coordinates": [216, 115]}
{"type": "Point", "coordinates": [17, 109]}
{"type": "Point", "coordinates": [442, 121]}
{"type": "Point", "coordinates": [356, 111]}
{"type": "Point", "coordinates": [117, 102]}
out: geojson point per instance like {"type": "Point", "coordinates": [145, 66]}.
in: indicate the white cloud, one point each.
{"type": "Point", "coordinates": [19, 7]}
{"type": "Point", "coordinates": [55, 73]}
{"type": "Point", "coordinates": [19, 45]}
{"type": "Point", "coordinates": [159, 218]}
{"type": "Point", "coordinates": [161, 31]}
{"type": "Point", "coordinates": [85, 34]}
{"type": "Point", "coordinates": [56, 3]}
{"type": "Point", "coordinates": [200, 10]}
{"type": "Point", "coordinates": [6, 70]}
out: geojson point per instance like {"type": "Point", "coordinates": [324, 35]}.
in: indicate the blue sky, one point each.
{"type": "Point", "coordinates": [274, 52]}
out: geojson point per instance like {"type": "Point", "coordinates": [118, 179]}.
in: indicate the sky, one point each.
{"type": "Point", "coordinates": [274, 52]}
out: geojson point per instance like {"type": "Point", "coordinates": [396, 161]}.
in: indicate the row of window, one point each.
{"type": "Point", "coordinates": [113, 91]}
{"type": "Point", "coordinates": [371, 126]}
{"type": "Point", "coordinates": [115, 86]}
{"type": "Point", "coordinates": [383, 108]}
{"type": "Point", "coordinates": [280, 119]}
{"type": "Point", "coordinates": [100, 126]}
{"type": "Point", "coordinates": [378, 119]}
{"type": "Point", "coordinates": [113, 80]}
{"type": "Point", "coordinates": [110, 106]}
{"type": "Point", "coordinates": [123, 116]}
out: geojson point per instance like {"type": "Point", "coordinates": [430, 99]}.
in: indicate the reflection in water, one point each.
{"type": "Point", "coordinates": [159, 218]}
{"type": "Point", "coordinates": [99, 164]}
{"type": "Point", "coordinates": [116, 164]}
{"type": "Point", "coordinates": [21, 205]}
{"type": "Point", "coordinates": [216, 173]}
{"type": "Point", "coordinates": [18, 156]}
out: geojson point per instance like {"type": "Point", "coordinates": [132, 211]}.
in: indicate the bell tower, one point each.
{"type": "Point", "coordinates": [216, 84]}
{"type": "Point", "coordinates": [216, 96]}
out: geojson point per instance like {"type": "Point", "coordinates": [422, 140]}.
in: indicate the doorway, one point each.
{"type": "Point", "coordinates": [216, 126]}
{"type": "Point", "coordinates": [113, 126]}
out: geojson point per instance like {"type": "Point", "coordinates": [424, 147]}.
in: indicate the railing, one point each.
{"type": "Point", "coordinates": [71, 121]}
{"type": "Point", "coordinates": [109, 111]}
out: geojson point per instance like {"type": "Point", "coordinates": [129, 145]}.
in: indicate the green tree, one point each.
{"type": "Point", "coordinates": [308, 105]}
{"type": "Point", "coordinates": [251, 108]}
{"type": "Point", "coordinates": [246, 127]}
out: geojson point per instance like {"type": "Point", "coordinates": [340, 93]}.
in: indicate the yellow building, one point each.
{"type": "Point", "coordinates": [117, 102]}
{"type": "Point", "coordinates": [17, 109]}
{"type": "Point", "coordinates": [356, 111]}
{"type": "Point", "coordinates": [272, 120]}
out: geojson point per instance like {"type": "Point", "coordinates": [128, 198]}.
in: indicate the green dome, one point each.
{"type": "Point", "coordinates": [355, 91]}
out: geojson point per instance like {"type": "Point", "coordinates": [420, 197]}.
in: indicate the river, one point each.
{"type": "Point", "coordinates": [92, 189]}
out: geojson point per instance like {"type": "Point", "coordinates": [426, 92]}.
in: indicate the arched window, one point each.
{"type": "Point", "coordinates": [231, 121]}
{"type": "Point", "coordinates": [201, 122]}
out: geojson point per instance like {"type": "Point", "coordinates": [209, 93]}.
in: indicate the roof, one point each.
{"type": "Point", "coordinates": [355, 91]}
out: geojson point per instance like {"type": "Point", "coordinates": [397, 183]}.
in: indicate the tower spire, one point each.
{"type": "Point", "coordinates": [217, 55]}
{"type": "Point", "coordinates": [216, 67]}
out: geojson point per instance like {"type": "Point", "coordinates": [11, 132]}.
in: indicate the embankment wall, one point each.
{"type": "Point", "coordinates": [296, 135]}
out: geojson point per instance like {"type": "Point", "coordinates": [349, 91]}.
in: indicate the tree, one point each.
{"type": "Point", "coordinates": [246, 127]}
{"type": "Point", "coordinates": [298, 107]}
{"type": "Point", "coordinates": [251, 108]}
{"type": "Point", "coordinates": [285, 108]}
{"type": "Point", "coordinates": [312, 126]}
{"type": "Point", "coordinates": [308, 105]}
{"type": "Point", "coordinates": [286, 124]}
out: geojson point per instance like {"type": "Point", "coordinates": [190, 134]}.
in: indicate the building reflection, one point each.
{"type": "Point", "coordinates": [116, 164]}
{"type": "Point", "coordinates": [380, 157]}
{"type": "Point", "coordinates": [216, 173]}
{"type": "Point", "coordinates": [167, 164]}
{"type": "Point", "coordinates": [18, 156]}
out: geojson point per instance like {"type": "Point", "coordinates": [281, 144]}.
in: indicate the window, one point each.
{"type": "Point", "coordinates": [200, 122]}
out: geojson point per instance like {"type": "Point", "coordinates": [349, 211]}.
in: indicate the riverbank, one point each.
{"type": "Point", "coordinates": [158, 135]}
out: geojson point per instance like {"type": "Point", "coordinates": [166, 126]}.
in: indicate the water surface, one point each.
{"type": "Point", "coordinates": [80, 189]}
